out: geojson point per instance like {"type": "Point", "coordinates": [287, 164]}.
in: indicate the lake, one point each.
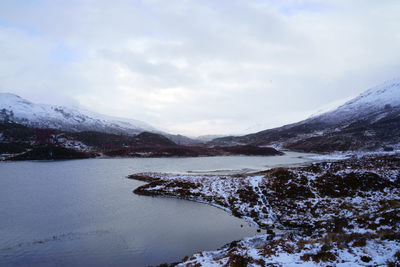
{"type": "Point", "coordinates": [83, 212]}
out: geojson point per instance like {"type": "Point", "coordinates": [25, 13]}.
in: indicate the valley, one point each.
{"type": "Point", "coordinates": [340, 208]}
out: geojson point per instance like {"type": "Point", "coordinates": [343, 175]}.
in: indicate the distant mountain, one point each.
{"type": "Point", "coordinates": [16, 109]}
{"type": "Point", "coordinates": [370, 121]}
{"type": "Point", "coordinates": [183, 140]}
{"type": "Point", "coordinates": [208, 137]}
{"type": "Point", "coordinates": [187, 141]}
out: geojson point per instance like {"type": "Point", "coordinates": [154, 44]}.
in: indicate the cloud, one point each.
{"type": "Point", "coordinates": [198, 67]}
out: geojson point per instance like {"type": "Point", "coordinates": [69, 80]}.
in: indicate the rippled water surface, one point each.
{"type": "Point", "coordinates": [83, 212]}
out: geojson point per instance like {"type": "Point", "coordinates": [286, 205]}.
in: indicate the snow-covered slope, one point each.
{"type": "Point", "coordinates": [380, 99]}
{"type": "Point", "coordinates": [370, 121]}
{"type": "Point", "coordinates": [19, 110]}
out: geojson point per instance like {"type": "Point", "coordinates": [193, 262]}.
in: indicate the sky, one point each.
{"type": "Point", "coordinates": [198, 67]}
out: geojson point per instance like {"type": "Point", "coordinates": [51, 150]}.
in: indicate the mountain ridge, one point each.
{"type": "Point", "coordinates": [369, 121]}
{"type": "Point", "coordinates": [19, 110]}
{"type": "Point", "coordinates": [16, 109]}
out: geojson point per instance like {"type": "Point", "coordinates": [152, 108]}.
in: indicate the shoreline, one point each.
{"type": "Point", "coordinates": [249, 220]}
{"type": "Point", "coordinates": [310, 157]}
{"type": "Point", "coordinates": [328, 223]}
{"type": "Point", "coordinates": [10, 158]}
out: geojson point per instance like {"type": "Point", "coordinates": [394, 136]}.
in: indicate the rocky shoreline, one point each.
{"type": "Point", "coordinates": [333, 213]}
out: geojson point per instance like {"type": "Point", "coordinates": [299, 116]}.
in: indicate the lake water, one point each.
{"type": "Point", "coordinates": [83, 212]}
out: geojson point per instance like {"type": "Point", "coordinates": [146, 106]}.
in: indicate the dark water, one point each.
{"type": "Point", "coordinates": [83, 212]}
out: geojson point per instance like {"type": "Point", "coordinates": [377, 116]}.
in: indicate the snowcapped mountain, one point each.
{"type": "Point", "coordinates": [378, 100]}
{"type": "Point", "coordinates": [370, 121]}
{"type": "Point", "coordinates": [16, 109]}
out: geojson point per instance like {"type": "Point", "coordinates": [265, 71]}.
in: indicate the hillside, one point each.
{"type": "Point", "coordinates": [370, 121]}
{"type": "Point", "coordinates": [20, 142]}
{"type": "Point", "coordinates": [18, 110]}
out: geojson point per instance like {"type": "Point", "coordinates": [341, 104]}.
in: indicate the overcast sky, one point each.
{"type": "Point", "coordinates": [198, 66]}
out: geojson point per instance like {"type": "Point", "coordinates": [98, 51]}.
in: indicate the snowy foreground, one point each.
{"type": "Point", "coordinates": [344, 213]}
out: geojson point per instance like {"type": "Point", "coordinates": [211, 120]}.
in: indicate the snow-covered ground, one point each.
{"type": "Point", "coordinates": [330, 157]}
{"type": "Point", "coordinates": [262, 251]}
{"type": "Point", "coordinates": [350, 154]}
{"type": "Point", "coordinates": [344, 213]}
